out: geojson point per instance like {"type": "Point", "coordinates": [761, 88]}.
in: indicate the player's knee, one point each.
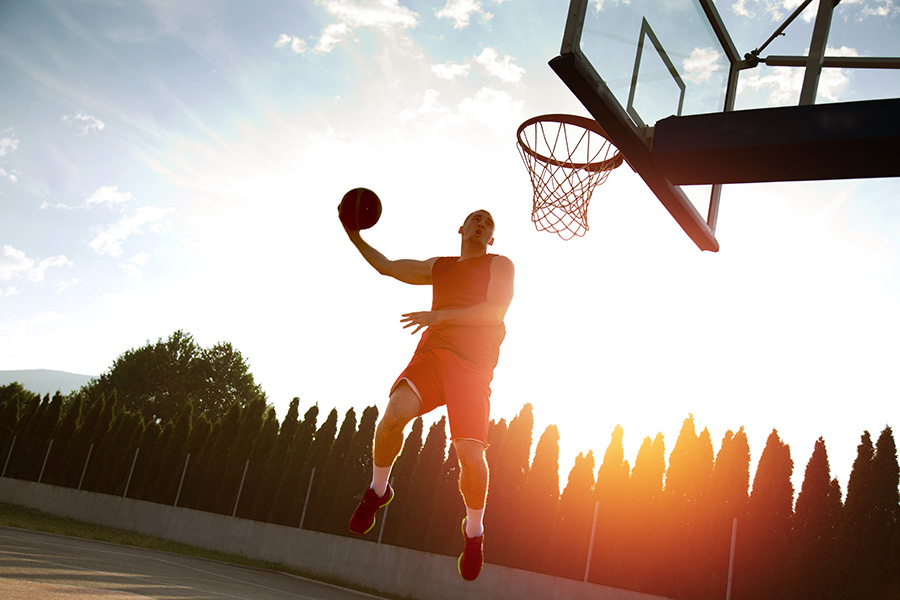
{"type": "Point", "coordinates": [471, 454]}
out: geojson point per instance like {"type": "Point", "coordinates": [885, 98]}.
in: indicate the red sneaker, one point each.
{"type": "Point", "coordinates": [363, 519]}
{"type": "Point", "coordinates": [472, 558]}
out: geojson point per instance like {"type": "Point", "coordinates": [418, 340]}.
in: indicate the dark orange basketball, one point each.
{"type": "Point", "coordinates": [360, 208]}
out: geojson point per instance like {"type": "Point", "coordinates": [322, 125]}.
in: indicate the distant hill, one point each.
{"type": "Point", "coordinates": [44, 381]}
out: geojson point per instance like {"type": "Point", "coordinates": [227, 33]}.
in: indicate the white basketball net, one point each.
{"type": "Point", "coordinates": [566, 161]}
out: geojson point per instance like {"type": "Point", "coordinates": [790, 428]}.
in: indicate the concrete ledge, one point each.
{"type": "Point", "coordinates": [389, 569]}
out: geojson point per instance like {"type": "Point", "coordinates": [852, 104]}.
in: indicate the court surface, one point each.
{"type": "Point", "coordinates": [41, 566]}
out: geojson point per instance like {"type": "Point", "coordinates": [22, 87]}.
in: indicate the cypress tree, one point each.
{"type": "Point", "coordinates": [610, 492]}
{"type": "Point", "coordinates": [539, 505]}
{"type": "Point", "coordinates": [250, 424]}
{"type": "Point", "coordinates": [193, 494]}
{"type": "Point", "coordinates": [172, 456]}
{"type": "Point", "coordinates": [276, 466]}
{"type": "Point", "coordinates": [64, 433]}
{"type": "Point", "coordinates": [323, 492]}
{"type": "Point", "coordinates": [417, 511]}
{"type": "Point", "coordinates": [310, 484]}
{"type": "Point", "coordinates": [218, 461]}
{"type": "Point", "coordinates": [643, 561]}
{"type": "Point", "coordinates": [509, 466]}
{"type": "Point", "coordinates": [260, 454]}
{"type": "Point", "coordinates": [574, 521]}
{"type": "Point", "coordinates": [287, 505]}
{"type": "Point", "coordinates": [444, 535]}
{"type": "Point", "coordinates": [762, 554]}
{"type": "Point", "coordinates": [355, 473]}
{"type": "Point", "coordinates": [401, 474]}
{"type": "Point", "coordinates": [815, 528]}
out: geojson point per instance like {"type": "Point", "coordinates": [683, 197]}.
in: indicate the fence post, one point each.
{"type": "Point", "coordinates": [6, 464]}
{"type": "Point", "coordinates": [84, 470]}
{"type": "Point", "coordinates": [587, 566]}
{"type": "Point", "coordinates": [306, 502]}
{"type": "Point", "coordinates": [183, 473]}
{"type": "Point", "coordinates": [240, 489]}
{"type": "Point", "coordinates": [731, 559]}
{"type": "Point", "coordinates": [44, 466]}
{"type": "Point", "coordinates": [384, 516]}
{"type": "Point", "coordinates": [131, 472]}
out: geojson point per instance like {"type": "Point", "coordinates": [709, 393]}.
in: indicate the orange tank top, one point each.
{"type": "Point", "coordinates": [461, 284]}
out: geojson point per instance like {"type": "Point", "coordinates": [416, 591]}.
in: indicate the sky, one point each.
{"type": "Point", "coordinates": [174, 165]}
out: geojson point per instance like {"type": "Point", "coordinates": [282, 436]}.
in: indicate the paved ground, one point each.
{"type": "Point", "coordinates": [40, 566]}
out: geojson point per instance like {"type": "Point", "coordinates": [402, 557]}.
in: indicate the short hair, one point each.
{"type": "Point", "coordinates": [479, 210]}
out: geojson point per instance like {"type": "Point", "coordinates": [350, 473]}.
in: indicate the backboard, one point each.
{"type": "Point", "coordinates": [661, 80]}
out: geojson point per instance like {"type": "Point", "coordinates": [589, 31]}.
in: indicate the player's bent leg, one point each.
{"type": "Point", "coordinates": [402, 408]}
{"type": "Point", "coordinates": [473, 484]}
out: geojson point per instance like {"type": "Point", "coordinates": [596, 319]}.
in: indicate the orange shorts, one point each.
{"type": "Point", "coordinates": [439, 377]}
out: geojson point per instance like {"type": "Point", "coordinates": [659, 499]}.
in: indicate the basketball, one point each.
{"type": "Point", "coordinates": [360, 208]}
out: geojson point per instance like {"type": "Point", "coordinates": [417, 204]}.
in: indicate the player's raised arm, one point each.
{"type": "Point", "coordinates": [415, 272]}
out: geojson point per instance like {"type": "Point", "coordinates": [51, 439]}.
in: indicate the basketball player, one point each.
{"type": "Point", "coordinates": [453, 365]}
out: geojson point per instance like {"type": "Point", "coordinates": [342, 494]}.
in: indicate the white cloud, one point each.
{"type": "Point", "coordinates": [36, 274]}
{"type": "Point", "coordinates": [62, 286]}
{"type": "Point", "coordinates": [504, 69]}
{"type": "Point", "coordinates": [14, 263]}
{"type": "Point", "coordinates": [297, 45]}
{"type": "Point", "coordinates": [133, 268]}
{"type": "Point", "coordinates": [8, 144]}
{"type": "Point", "coordinates": [429, 106]}
{"type": "Point", "coordinates": [450, 70]}
{"type": "Point", "coordinates": [460, 12]}
{"type": "Point", "coordinates": [386, 15]}
{"type": "Point", "coordinates": [784, 84]}
{"type": "Point", "coordinates": [109, 194]}
{"type": "Point", "coordinates": [109, 240]}
{"type": "Point", "coordinates": [701, 64]}
{"type": "Point", "coordinates": [84, 124]}
{"type": "Point", "coordinates": [493, 107]}
{"type": "Point", "coordinates": [8, 175]}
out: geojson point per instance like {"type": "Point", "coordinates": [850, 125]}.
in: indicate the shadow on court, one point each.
{"type": "Point", "coordinates": [40, 566]}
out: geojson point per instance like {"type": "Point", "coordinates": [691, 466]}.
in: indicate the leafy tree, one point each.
{"type": "Point", "coordinates": [157, 379]}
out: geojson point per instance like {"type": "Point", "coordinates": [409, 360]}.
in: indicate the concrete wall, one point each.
{"type": "Point", "coordinates": [378, 567]}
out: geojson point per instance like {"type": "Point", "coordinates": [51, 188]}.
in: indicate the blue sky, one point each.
{"type": "Point", "coordinates": [176, 165]}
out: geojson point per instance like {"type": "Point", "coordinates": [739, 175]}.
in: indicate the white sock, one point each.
{"type": "Point", "coordinates": [474, 522]}
{"type": "Point", "coordinates": [380, 477]}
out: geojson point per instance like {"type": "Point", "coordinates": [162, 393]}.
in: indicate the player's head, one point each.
{"type": "Point", "coordinates": [479, 225]}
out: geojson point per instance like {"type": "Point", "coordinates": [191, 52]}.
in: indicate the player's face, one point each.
{"type": "Point", "coordinates": [479, 227]}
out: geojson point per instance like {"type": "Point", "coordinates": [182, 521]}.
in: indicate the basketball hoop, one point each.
{"type": "Point", "coordinates": [567, 157]}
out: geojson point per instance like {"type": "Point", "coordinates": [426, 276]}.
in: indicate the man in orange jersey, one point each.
{"type": "Point", "coordinates": [453, 366]}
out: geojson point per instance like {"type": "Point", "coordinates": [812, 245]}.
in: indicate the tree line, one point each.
{"type": "Point", "coordinates": [658, 526]}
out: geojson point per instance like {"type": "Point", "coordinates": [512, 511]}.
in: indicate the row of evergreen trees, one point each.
{"type": "Point", "coordinates": [664, 530]}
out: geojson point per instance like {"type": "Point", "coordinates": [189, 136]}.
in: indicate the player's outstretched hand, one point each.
{"type": "Point", "coordinates": [419, 320]}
